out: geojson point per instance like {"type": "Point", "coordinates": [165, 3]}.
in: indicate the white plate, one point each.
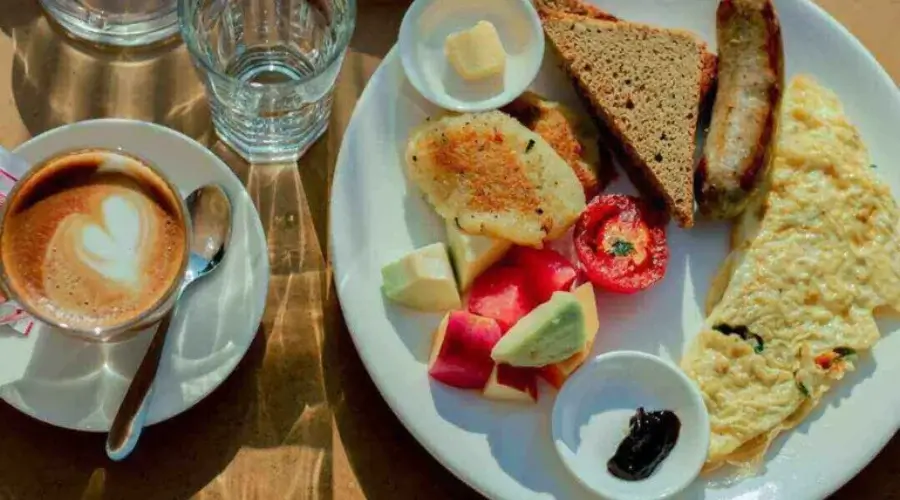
{"type": "Point", "coordinates": [78, 385]}
{"type": "Point", "coordinates": [506, 451]}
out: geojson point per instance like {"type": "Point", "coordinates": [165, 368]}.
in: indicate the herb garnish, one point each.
{"type": "Point", "coordinates": [744, 333]}
{"type": "Point", "coordinates": [621, 248]}
{"type": "Point", "coordinates": [844, 351]}
{"type": "Point", "coordinates": [803, 389]}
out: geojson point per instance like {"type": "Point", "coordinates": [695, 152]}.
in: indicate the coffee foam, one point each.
{"type": "Point", "coordinates": [94, 239]}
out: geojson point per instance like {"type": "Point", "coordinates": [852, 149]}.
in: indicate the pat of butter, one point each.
{"type": "Point", "coordinates": [477, 52]}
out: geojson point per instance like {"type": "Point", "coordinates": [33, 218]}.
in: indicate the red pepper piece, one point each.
{"type": "Point", "coordinates": [825, 360]}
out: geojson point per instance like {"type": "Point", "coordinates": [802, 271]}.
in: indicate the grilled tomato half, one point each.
{"type": "Point", "coordinates": [621, 243]}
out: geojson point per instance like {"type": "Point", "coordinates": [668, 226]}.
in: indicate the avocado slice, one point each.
{"type": "Point", "coordinates": [550, 333]}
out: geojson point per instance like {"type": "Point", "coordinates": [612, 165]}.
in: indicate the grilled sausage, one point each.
{"type": "Point", "coordinates": [744, 115]}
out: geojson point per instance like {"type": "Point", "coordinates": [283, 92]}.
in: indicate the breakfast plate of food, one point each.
{"type": "Point", "coordinates": [668, 267]}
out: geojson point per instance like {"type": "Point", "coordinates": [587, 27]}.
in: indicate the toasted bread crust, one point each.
{"type": "Point", "coordinates": [574, 7]}
{"type": "Point", "coordinates": [709, 74]}
{"type": "Point", "coordinates": [561, 8]}
{"type": "Point", "coordinates": [577, 141]}
{"type": "Point", "coordinates": [645, 95]}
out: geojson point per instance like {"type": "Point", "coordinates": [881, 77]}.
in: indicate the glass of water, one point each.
{"type": "Point", "coordinates": [116, 22]}
{"type": "Point", "coordinates": [269, 67]}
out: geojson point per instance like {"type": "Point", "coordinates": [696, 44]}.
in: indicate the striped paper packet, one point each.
{"type": "Point", "coordinates": [11, 314]}
{"type": "Point", "coordinates": [17, 341]}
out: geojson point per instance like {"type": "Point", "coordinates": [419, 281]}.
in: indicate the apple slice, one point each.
{"type": "Point", "coordinates": [501, 293]}
{"type": "Point", "coordinates": [461, 352]}
{"type": "Point", "coordinates": [510, 383]}
{"type": "Point", "coordinates": [557, 373]}
{"type": "Point", "coordinates": [547, 270]}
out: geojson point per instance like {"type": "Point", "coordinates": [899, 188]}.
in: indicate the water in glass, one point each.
{"type": "Point", "coordinates": [269, 67]}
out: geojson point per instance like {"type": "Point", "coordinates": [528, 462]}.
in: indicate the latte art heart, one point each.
{"type": "Point", "coordinates": [116, 246]}
{"type": "Point", "coordinates": [105, 249]}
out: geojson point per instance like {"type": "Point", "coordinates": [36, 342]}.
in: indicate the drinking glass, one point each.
{"type": "Point", "coordinates": [116, 22]}
{"type": "Point", "coordinates": [269, 67]}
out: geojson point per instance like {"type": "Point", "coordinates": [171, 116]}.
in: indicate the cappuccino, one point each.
{"type": "Point", "coordinates": [93, 239]}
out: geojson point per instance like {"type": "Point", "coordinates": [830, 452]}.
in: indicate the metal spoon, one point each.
{"type": "Point", "coordinates": [210, 211]}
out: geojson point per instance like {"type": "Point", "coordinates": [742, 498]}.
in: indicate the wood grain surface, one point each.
{"type": "Point", "coordinates": [300, 418]}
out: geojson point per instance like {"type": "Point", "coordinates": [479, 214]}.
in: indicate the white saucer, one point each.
{"type": "Point", "coordinates": [427, 24]}
{"type": "Point", "coordinates": [79, 386]}
{"type": "Point", "coordinates": [591, 414]}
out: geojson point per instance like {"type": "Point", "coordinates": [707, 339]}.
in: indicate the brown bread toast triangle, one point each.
{"type": "Point", "coordinates": [645, 85]}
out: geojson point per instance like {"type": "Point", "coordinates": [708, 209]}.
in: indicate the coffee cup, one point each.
{"type": "Point", "coordinates": [94, 242]}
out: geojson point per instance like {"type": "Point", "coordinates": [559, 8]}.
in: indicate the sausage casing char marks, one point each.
{"type": "Point", "coordinates": [744, 117]}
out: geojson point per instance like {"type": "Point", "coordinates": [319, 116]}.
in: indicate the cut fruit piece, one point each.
{"type": "Point", "coordinates": [588, 302]}
{"type": "Point", "coordinates": [461, 353]}
{"type": "Point", "coordinates": [546, 269]}
{"type": "Point", "coordinates": [510, 383]}
{"type": "Point", "coordinates": [422, 280]}
{"type": "Point", "coordinates": [557, 373]}
{"type": "Point", "coordinates": [571, 134]}
{"type": "Point", "coordinates": [501, 293]}
{"type": "Point", "coordinates": [552, 332]}
{"type": "Point", "coordinates": [471, 254]}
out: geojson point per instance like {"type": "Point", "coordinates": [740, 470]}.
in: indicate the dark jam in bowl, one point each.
{"type": "Point", "coordinates": [651, 437]}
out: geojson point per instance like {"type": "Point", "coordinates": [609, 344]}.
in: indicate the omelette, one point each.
{"type": "Point", "coordinates": [813, 258]}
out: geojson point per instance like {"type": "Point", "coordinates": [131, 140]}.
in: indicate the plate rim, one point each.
{"type": "Point", "coordinates": [392, 58]}
{"type": "Point", "coordinates": [257, 228]}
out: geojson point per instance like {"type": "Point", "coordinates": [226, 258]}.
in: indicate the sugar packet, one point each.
{"type": "Point", "coordinates": [17, 338]}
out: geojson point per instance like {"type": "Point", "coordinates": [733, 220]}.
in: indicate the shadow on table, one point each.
{"type": "Point", "coordinates": [58, 80]}
{"type": "Point", "coordinates": [40, 461]}
{"type": "Point", "coordinates": [376, 32]}
{"type": "Point", "coordinates": [17, 13]}
{"type": "Point", "coordinates": [298, 419]}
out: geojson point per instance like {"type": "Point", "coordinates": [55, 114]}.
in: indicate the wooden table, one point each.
{"type": "Point", "coordinates": [300, 417]}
